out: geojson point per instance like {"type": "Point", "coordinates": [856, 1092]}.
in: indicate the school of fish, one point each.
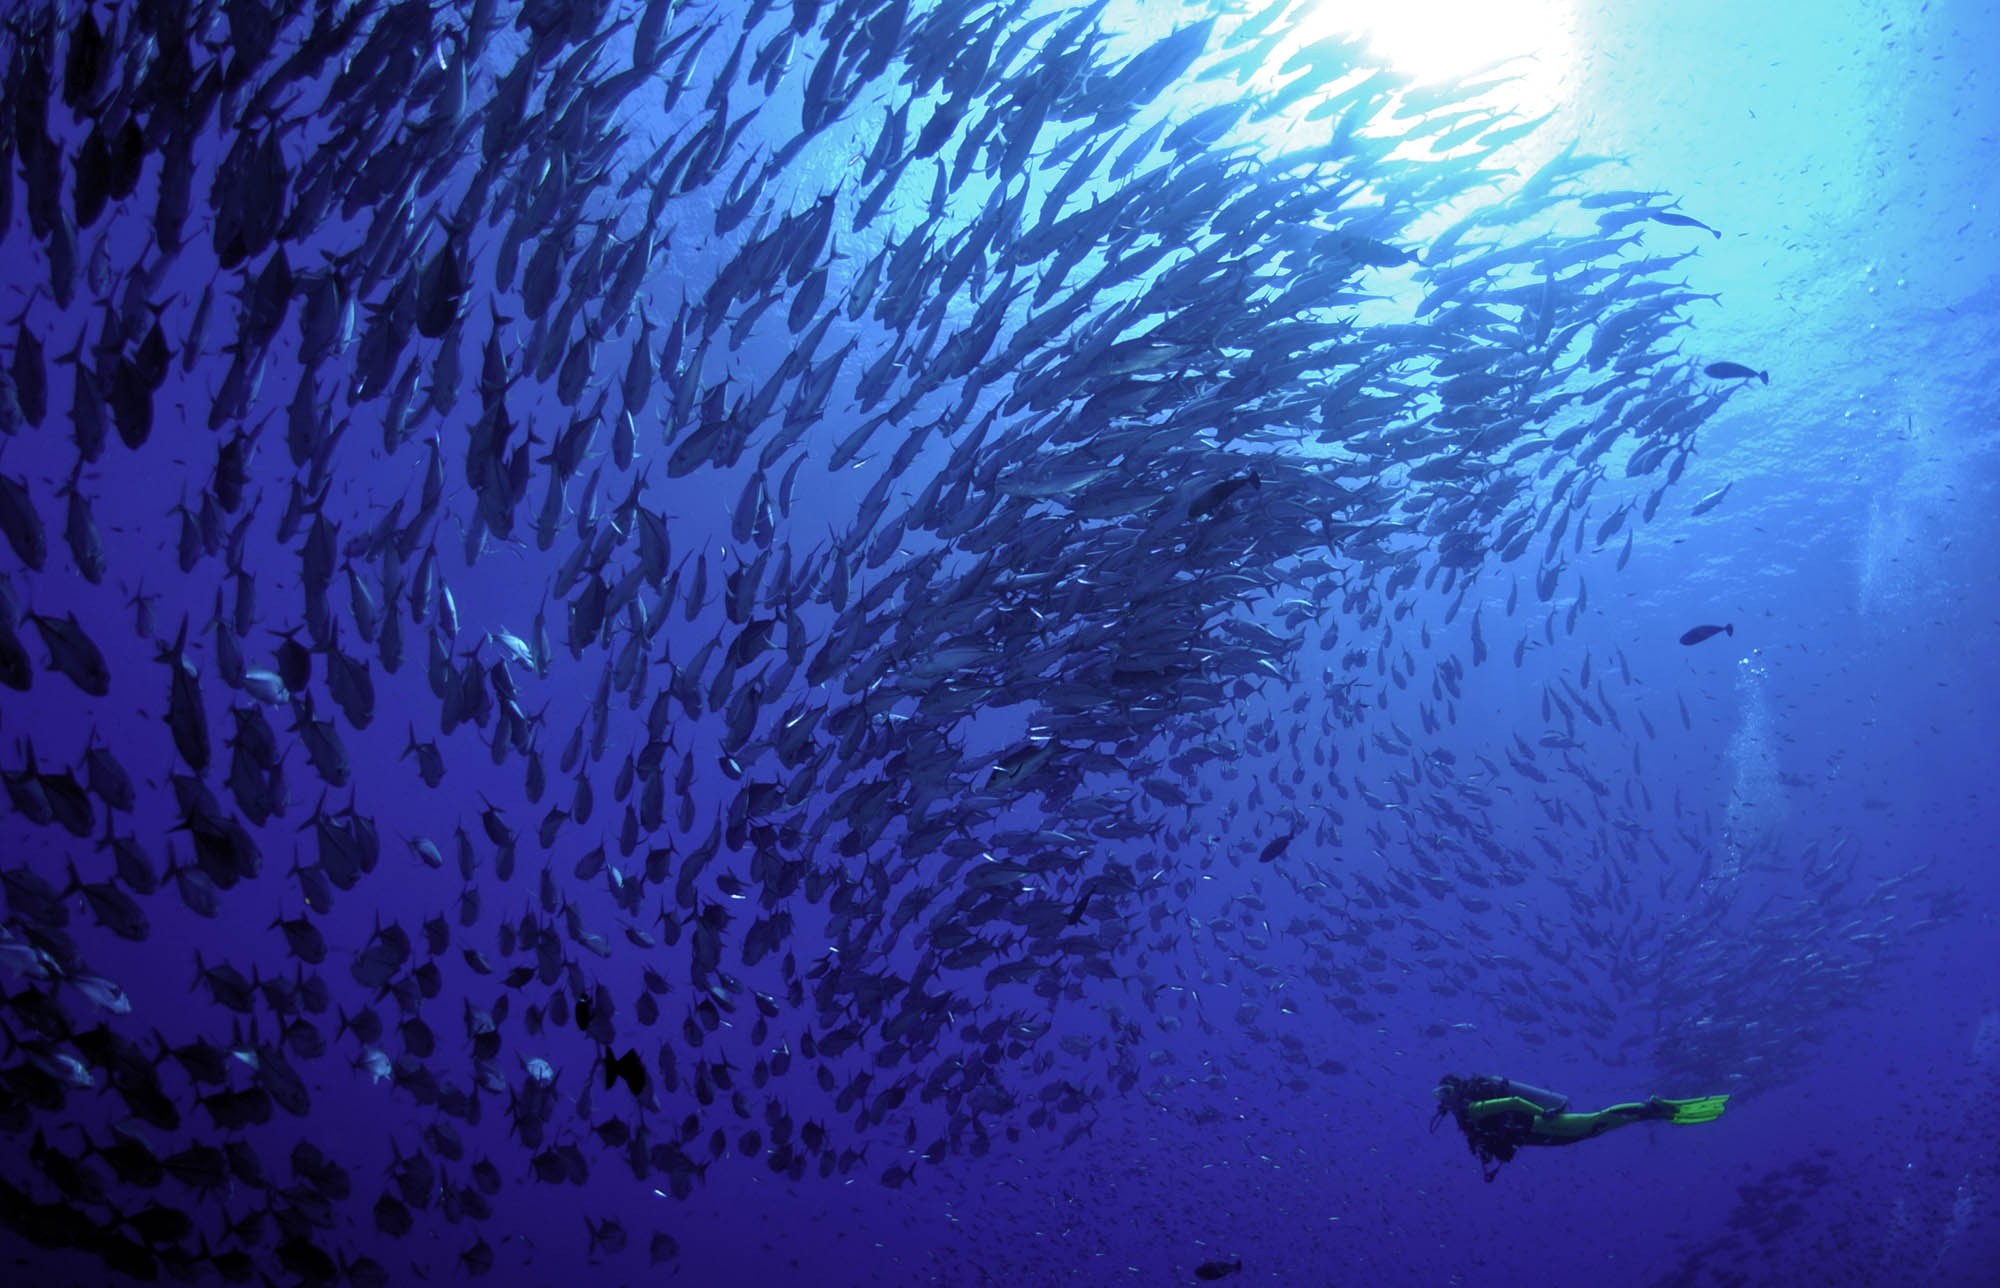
{"type": "Point", "coordinates": [765, 551]}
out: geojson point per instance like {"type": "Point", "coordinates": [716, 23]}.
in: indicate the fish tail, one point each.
{"type": "Point", "coordinates": [1730, 629]}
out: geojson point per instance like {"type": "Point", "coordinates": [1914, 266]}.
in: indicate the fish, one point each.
{"type": "Point", "coordinates": [29, 372]}
{"type": "Point", "coordinates": [105, 994]}
{"type": "Point", "coordinates": [1712, 500]}
{"type": "Point", "coordinates": [1212, 1270]}
{"type": "Point", "coordinates": [108, 777]}
{"type": "Point", "coordinates": [1734, 371]}
{"type": "Point", "coordinates": [86, 543]}
{"type": "Point", "coordinates": [187, 715]}
{"type": "Point", "coordinates": [17, 671]}
{"type": "Point", "coordinates": [1276, 847]}
{"type": "Point", "coordinates": [114, 909]}
{"type": "Point", "coordinates": [1696, 634]}
{"type": "Point", "coordinates": [1210, 499]}
{"type": "Point", "coordinates": [74, 653]}
{"type": "Point", "coordinates": [21, 524]}
{"type": "Point", "coordinates": [1681, 221]}
{"type": "Point", "coordinates": [628, 1068]}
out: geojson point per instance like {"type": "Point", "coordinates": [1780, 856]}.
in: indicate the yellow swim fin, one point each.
{"type": "Point", "coordinates": [1702, 1109]}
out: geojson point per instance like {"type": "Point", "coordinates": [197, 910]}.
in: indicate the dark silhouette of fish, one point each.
{"type": "Point", "coordinates": [1735, 371]}
{"type": "Point", "coordinates": [628, 1068]}
{"type": "Point", "coordinates": [1211, 498]}
{"type": "Point", "coordinates": [1699, 633]}
{"type": "Point", "coordinates": [1276, 847]}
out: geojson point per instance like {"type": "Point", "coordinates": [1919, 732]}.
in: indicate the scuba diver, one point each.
{"type": "Point", "coordinates": [1499, 1115]}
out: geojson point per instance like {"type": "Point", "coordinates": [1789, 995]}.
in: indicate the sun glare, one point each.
{"type": "Point", "coordinates": [1440, 41]}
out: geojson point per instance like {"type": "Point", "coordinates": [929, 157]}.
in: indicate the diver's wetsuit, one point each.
{"type": "Point", "coordinates": [1499, 1115]}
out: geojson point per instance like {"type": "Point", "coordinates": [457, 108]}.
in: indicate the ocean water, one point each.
{"type": "Point", "coordinates": [1046, 612]}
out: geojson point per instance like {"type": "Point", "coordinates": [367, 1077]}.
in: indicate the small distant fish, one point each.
{"type": "Point", "coordinates": [1218, 1269]}
{"type": "Point", "coordinates": [1273, 849]}
{"type": "Point", "coordinates": [1700, 633]}
{"type": "Point", "coordinates": [628, 1067]}
{"type": "Point", "coordinates": [430, 761]}
{"type": "Point", "coordinates": [427, 850]}
{"type": "Point", "coordinates": [1735, 371]}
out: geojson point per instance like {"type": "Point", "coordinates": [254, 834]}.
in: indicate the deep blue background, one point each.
{"type": "Point", "coordinates": [1842, 150]}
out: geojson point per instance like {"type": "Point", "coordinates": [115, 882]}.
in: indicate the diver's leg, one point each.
{"type": "Point", "coordinates": [1564, 1129]}
{"type": "Point", "coordinates": [1630, 1112]}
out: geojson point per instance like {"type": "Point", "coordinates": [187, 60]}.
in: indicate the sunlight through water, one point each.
{"type": "Point", "coordinates": [1439, 41]}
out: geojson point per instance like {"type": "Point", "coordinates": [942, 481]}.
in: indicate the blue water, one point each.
{"type": "Point", "coordinates": [1531, 833]}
